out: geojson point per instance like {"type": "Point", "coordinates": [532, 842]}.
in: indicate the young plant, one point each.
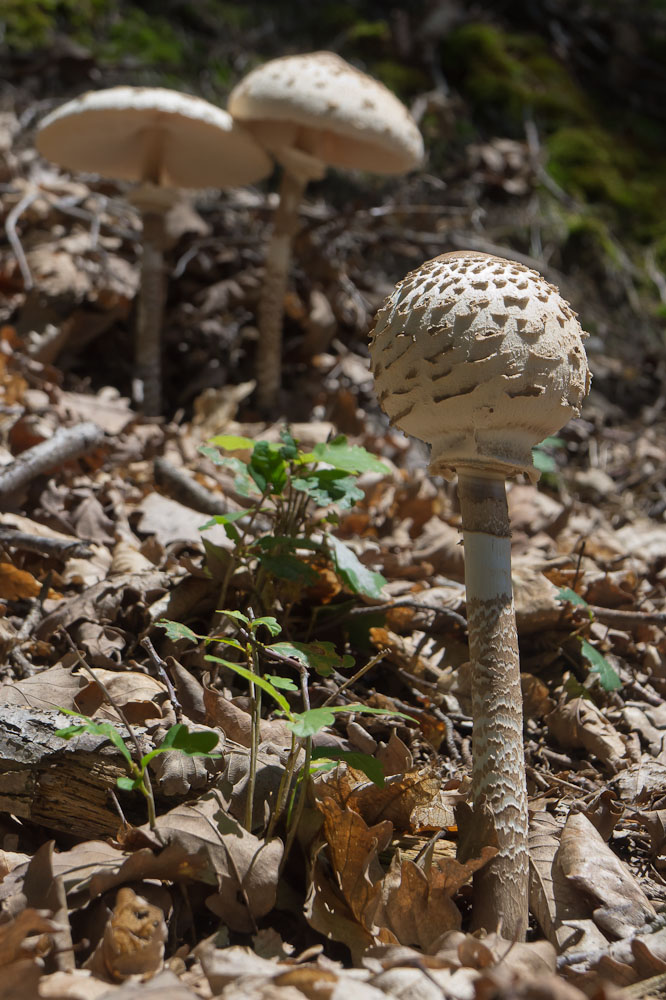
{"type": "Point", "coordinates": [320, 657]}
{"type": "Point", "coordinates": [178, 737]}
{"type": "Point", "coordinates": [597, 662]}
{"type": "Point", "coordinates": [290, 489]}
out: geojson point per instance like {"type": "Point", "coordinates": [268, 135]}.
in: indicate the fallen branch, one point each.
{"type": "Point", "coordinates": [60, 548]}
{"type": "Point", "coordinates": [66, 443]}
{"type": "Point", "coordinates": [181, 487]}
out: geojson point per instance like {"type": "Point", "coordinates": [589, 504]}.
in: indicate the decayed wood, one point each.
{"type": "Point", "coordinates": [66, 443]}
{"type": "Point", "coordinates": [58, 784]}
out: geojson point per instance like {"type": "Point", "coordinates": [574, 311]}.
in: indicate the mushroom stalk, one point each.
{"type": "Point", "coordinates": [498, 770]}
{"type": "Point", "coordinates": [150, 314]}
{"type": "Point", "coordinates": [271, 302]}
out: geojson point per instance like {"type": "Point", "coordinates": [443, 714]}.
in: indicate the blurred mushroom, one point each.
{"type": "Point", "coordinates": [164, 140]}
{"type": "Point", "coordinates": [312, 111]}
{"type": "Point", "coordinates": [481, 358]}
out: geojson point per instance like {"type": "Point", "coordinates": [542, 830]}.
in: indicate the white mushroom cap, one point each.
{"type": "Point", "coordinates": [481, 358]}
{"type": "Point", "coordinates": [154, 135]}
{"type": "Point", "coordinates": [322, 105]}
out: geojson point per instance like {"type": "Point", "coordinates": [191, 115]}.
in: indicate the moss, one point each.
{"type": "Point", "coordinates": [401, 79]}
{"type": "Point", "coordinates": [507, 74]}
{"type": "Point", "coordinates": [30, 24]}
{"type": "Point", "coordinates": [586, 164]}
{"type": "Point", "coordinates": [596, 166]}
{"type": "Point", "coordinates": [587, 233]}
{"type": "Point", "coordinates": [375, 30]}
{"type": "Point", "coordinates": [147, 38]}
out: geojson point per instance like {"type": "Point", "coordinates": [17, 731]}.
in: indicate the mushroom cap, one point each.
{"type": "Point", "coordinates": [323, 106]}
{"type": "Point", "coordinates": [151, 134]}
{"type": "Point", "coordinates": [482, 358]}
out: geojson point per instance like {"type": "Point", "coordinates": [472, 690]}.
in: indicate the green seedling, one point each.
{"type": "Point", "coordinates": [178, 738]}
{"type": "Point", "coordinates": [545, 462]}
{"type": "Point", "coordinates": [319, 657]}
{"type": "Point", "coordinates": [598, 664]}
{"type": "Point", "coordinates": [289, 487]}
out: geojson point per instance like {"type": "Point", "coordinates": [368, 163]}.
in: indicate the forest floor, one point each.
{"type": "Point", "coordinates": [250, 881]}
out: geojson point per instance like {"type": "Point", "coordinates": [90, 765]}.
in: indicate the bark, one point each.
{"type": "Point", "coordinates": [57, 784]}
{"type": "Point", "coordinates": [498, 773]}
{"type": "Point", "coordinates": [150, 314]}
{"type": "Point", "coordinates": [271, 303]}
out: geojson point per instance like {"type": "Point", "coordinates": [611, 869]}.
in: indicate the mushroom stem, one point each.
{"type": "Point", "coordinates": [271, 302]}
{"type": "Point", "coordinates": [498, 775]}
{"type": "Point", "coordinates": [150, 314]}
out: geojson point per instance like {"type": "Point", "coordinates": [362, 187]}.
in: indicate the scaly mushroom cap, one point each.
{"type": "Point", "coordinates": [154, 135]}
{"type": "Point", "coordinates": [321, 105]}
{"type": "Point", "coordinates": [482, 358]}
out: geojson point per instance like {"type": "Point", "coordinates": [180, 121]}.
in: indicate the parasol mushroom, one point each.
{"type": "Point", "coordinates": [164, 141]}
{"type": "Point", "coordinates": [313, 111]}
{"type": "Point", "coordinates": [481, 358]}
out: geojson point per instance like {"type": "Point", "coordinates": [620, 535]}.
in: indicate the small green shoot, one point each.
{"type": "Point", "coordinates": [288, 487]}
{"type": "Point", "coordinates": [545, 462]}
{"type": "Point", "coordinates": [178, 738]}
{"type": "Point", "coordinates": [598, 664]}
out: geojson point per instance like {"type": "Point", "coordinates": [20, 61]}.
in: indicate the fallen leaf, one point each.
{"type": "Point", "coordinates": [620, 905]}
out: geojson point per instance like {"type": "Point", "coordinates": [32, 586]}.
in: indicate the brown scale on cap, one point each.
{"type": "Point", "coordinates": [481, 358]}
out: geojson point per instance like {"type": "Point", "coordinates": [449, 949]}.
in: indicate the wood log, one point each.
{"type": "Point", "coordinates": [62, 785]}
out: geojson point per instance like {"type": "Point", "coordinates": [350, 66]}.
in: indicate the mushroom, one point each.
{"type": "Point", "coordinates": [163, 140]}
{"type": "Point", "coordinates": [312, 111]}
{"type": "Point", "coordinates": [481, 358]}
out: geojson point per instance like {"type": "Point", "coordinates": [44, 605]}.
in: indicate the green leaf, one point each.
{"type": "Point", "coordinates": [176, 631]}
{"type": "Point", "coordinates": [96, 729]}
{"type": "Point", "coordinates": [242, 482]}
{"type": "Point", "coordinates": [269, 622]}
{"type": "Point", "coordinates": [370, 766]}
{"type": "Point", "coordinates": [129, 784]}
{"type": "Point", "coordinates": [543, 462]}
{"type": "Point", "coordinates": [287, 543]}
{"type": "Point", "coordinates": [358, 577]}
{"type": "Point", "coordinates": [236, 615]}
{"type": "Point", "coordinates": [224, 640]}
{"type": "Point", "coordinates": [226, 520]}
{"type": "Point", "coordinates": [194, 744]}
{"type": "Point", "coordinates": [231, 442]}
{"type": "Point", "coordinates": [257, 679]}
{"type": "Point", "coordinates": [304, 724]}
{"type": "Point", "coordinates": [326, 486]}
{"type": "Point", "coordinates": [608, 677]}
{"type": "Point", "coordinates": [567, 594]}
{"type": "Point", "coordinates": [267, 467]}
{"type": "Point", "coordinates": [571, 597]}
{"type": "Point", "coordinates": [321, 656]}
{"type": "Point", "coordinates": [284, 683]}
{"type": "Point", "coordinates": [308, 723]}
{"type": "Point", "coordinates": [289, 451]}
{"type": "Point", "coordinates": [349, 457]}
{"type": "Point", "coordinates": [289, 567]}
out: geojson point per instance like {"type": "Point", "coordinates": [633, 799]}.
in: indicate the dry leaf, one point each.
{"type": "Point", "coordinates": [620, 905]}
{"type": "Point", "coordinates": [554, 899]}
{"type": "Point", "coordinates": [133, 940]}
{"type": "Point", "coordinates": [580, 724]}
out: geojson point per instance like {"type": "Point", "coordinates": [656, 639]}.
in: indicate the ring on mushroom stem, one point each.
{"type": "Point", "coordinates": [313, 111]}
{"type": "Point", "coordinates": [164, 140]}
{"type": "Point", "coordinates": [482, 358]}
